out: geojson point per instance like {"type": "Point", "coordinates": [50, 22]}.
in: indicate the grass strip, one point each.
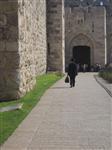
{"type": "Point", "coordinates": [107, 75]}
{"type": "Point", "coordinates": [9, 121]}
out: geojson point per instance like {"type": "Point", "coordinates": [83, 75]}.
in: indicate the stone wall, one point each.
{"type": "Point", "coordinates": [23, 50]}
{"type": "Point", "coordinates": [22, 46]}
{"type": "Point", "coordinates": [55, 35]}
{"type": "Point", "coordinates": [32, 41]}
{"type": "Point", "coordinates": [109, 33]}
{"type": "Point", "coordinates": [9, 55]}
{"type": "Point", "coordinates": [84, 23]}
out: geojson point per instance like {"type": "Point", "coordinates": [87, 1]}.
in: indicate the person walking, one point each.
{"type": "Point", "coordinates": [72, 72]}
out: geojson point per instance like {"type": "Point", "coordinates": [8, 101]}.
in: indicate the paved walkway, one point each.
{"type": "Point", "coordinates": [67, 119]}
{"type": "Point", "coordinates": [107, 86]}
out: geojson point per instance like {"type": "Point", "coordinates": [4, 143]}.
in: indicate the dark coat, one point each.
{"type": "Point", "coordinates": [72, 69]}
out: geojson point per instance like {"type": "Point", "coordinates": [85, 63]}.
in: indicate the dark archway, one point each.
{"type": "Point", "coordinates": [82, 55]}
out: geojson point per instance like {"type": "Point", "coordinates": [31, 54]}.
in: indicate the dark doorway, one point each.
{"type": "Point", "coordinates": [82, 56]}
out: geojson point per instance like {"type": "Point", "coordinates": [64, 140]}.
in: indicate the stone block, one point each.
{"type": "Point", "coordinates": [12, 107]}
{"type": "Point", "coordinates": [3, 20]}
{"type": "Point", "coordinates": [12, 18]}
{"type": "Point", "coordinates": [11, 46]}
{"type": "Point", "coordinates": [8, 6]}
{"type": "Point", "coordinates": [9, 60]}
{"type": "Point", "coordinates": [9, 95]}
{"type": "Point", "coordinates": [9, 79]}
{"type": "Point", "coordinates": [2, 46]}
{"type": "Point", "coordinates": [9, 83]}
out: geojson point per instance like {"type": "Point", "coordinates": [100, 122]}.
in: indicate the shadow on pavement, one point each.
{"type": "Point", "coordinates": [60, 87]}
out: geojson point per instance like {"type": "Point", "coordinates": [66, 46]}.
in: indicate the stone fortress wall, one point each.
{"type": "Point", "coordinates": [85, 26]}
{"type": "Point", "coordinates": [9, 55]}
{"type": "Point", "coordinates": [22, 45]}
{"type": "Point", "coordinates": [29, 48]}
{"type": "Point", "coordinates": [32, 41]}
{"type": "Point", "coordinates": [55, 35]}
{"type": "Point", "coordinates": [109, 32]}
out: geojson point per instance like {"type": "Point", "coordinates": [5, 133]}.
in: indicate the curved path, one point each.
{"type": "Point", "coordinates": [67, 119]}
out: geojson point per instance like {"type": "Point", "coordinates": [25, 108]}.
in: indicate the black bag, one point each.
{"type": "Point", "coordinates": [67, 79]}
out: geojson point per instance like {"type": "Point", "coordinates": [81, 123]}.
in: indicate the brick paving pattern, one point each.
{"type": "Point", "coordinates": [67, 119]}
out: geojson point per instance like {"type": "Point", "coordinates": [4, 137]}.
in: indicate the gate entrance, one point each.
{"type": "Point", "coordinates": [82, 56]}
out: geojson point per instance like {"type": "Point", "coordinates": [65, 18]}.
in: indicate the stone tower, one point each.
{"type": "Point", "coordinates": [55, 35]}
{"type": "Point", "coordinates": [86, 32]}
{"type": "Point", "coordinates": [22, 46]}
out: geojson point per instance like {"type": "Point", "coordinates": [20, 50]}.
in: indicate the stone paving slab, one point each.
{"type": "Point", "coordinates": [12, 107]}
{"type": "Point", "coordinates": [67, 119]}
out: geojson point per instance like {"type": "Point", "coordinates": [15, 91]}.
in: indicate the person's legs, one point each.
{"type": "Point", "coordinates": [73, 81]}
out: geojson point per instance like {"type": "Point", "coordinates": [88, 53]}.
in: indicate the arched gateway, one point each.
{"type": "Point", "coordinates": [80, 47]}
{"type": "Point", "coordinates": [85, 35]}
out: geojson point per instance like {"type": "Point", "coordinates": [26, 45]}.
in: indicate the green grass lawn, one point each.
{"type": "Point", "coordinates": [9, 121]}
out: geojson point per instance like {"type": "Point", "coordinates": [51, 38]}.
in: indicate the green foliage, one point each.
{"type": "Point", "coordinates": [106, 74]}
{"type": "Point", "coordinates": [9, 121]}
{"type": "Point", "coordinates": [60, 74]}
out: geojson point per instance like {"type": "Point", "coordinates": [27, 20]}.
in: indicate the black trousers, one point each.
{"type": "Point", "coordinates": [72, 81]}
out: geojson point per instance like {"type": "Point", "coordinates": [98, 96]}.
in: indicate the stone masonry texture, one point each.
{"type": "Point", "coordinates": [39, 35]}
{"type": "Point", "coordinates": [32, 41]}
{"type": "Point", "coordinates": [109, 32]}
{"type": "Point", "coordinates": [55, 34]}
{"type": "Point", "coordinates": [22, 45]}
{"type": "Point", "coordinates": [86, 26]}
{"type": "Point", "coordinates": [9, 55]}
{"type": "Point", "coordinates": [92, 20]}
